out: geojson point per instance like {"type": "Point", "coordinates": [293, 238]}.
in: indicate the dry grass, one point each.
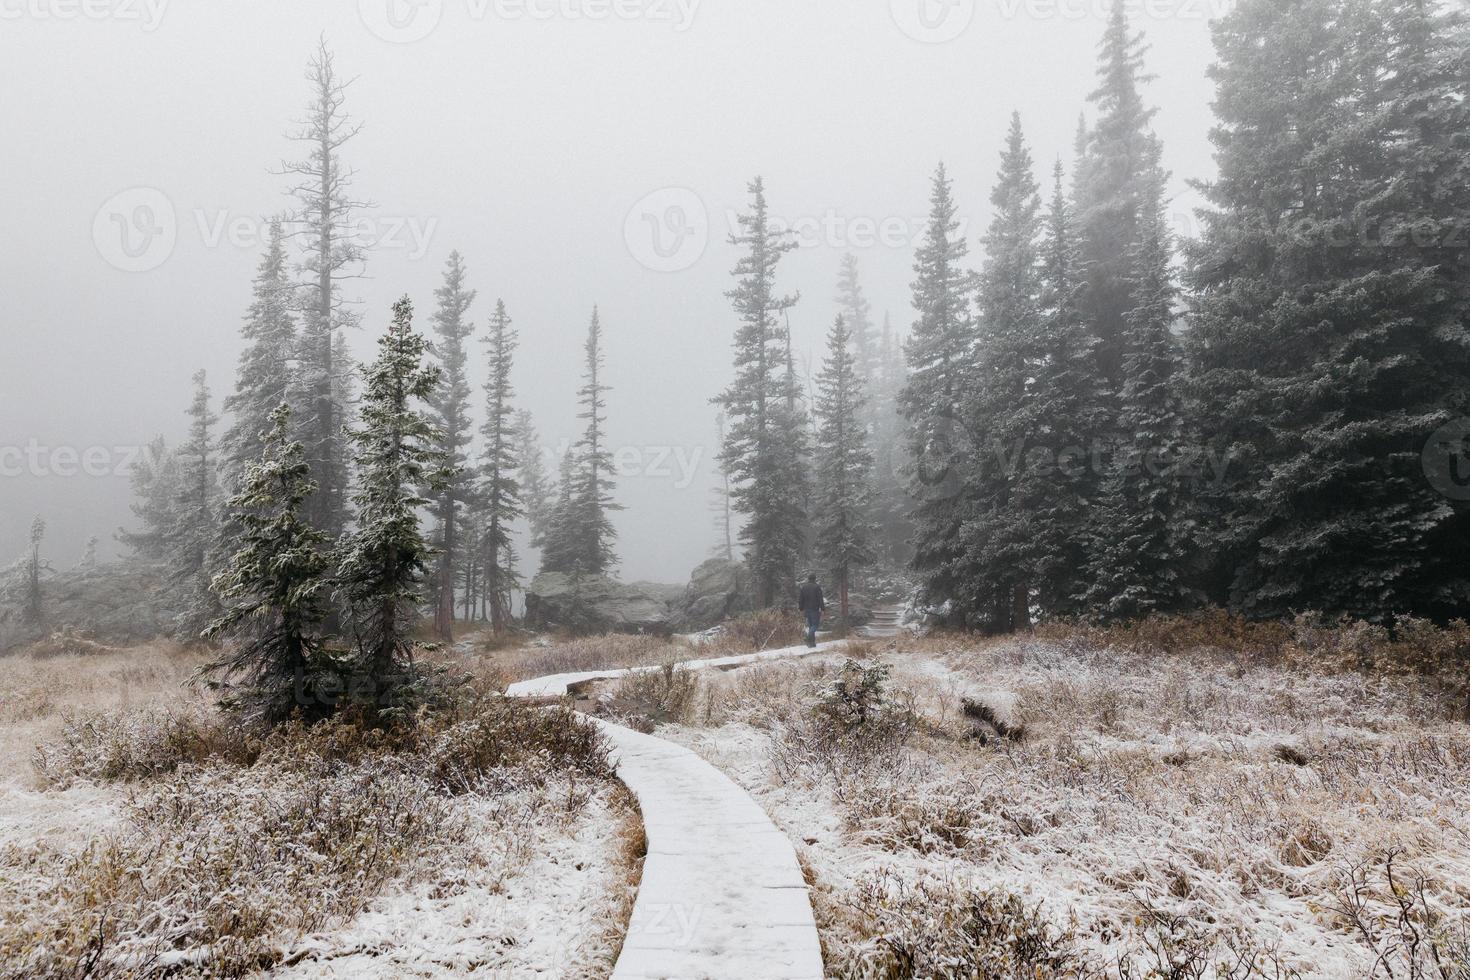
{"type": "Point", "coordinates": [224, 854]}
{"type": "Point", "coordinates": [1209, 813]}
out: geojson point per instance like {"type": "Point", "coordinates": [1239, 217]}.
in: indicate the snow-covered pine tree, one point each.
{"type": "Point", "coordinates": [592, 490]}
{"type": "Point", "coordinates": [1112, 184]}
{"type": "Point", "coordinates": [155, 483]}
{"type": "Point", "coordinates": [191, 542]}
{"type": "Point", "coordinates": [857, 313]}
{"type": "Point", "coordinates": [999, 408]}
{"type": "Point", "coordinates": [275, 588]}
{"type": "Point", "coordinates": [890, 485]}
{"type": "Point", "coordinates": [538, 487]}
{"type": "Point", "coordinates": [560, 544]}
{"type": "Point", "coordinates": [720, 502]}
{"type": "Point", "coordinates": [1070, 418]}
{"type": "Point", "coordinates": [324, 225]}
{"type": "Point", "coordinates": [384, 560]}
{"type": "Point", "coordinates": [500, 492]}
{"type": "Point", "coordinates": [450, 412]}
{"type": "Point", "coordinates": [843, 504]}
{"type": "Point", "coordinates": [1325, 344]}
{"type": "Point", "coordinates": [35, 603]}
{"type": "Point", "coordinates": [941, 359]}
{"type": "Point", "coordinates": [763, 445]}
{"type": "Point", "coordinates": [264, 379]}
{"type": "Point", "coordinates": [1139, 552]}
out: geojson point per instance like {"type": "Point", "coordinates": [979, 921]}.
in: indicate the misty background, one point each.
{"type": "Point", "coordinates": [558, 151]}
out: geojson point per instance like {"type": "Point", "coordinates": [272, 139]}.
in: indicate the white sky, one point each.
{"type": "Point", "coordinates": [523, 133]}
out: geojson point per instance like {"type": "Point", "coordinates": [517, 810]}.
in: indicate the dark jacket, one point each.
{"type": "Point", "coordinates": [812, 599]}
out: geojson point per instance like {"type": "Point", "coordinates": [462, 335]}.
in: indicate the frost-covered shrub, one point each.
{"type": "Point", "coordinates": [220, 864]}
{"type": "Point", "coordinates": [138, 744]}
{"type": "Point", "coordinates": [663, 696]}
{"type": "Point", "coordinates": [936, 928]}
{"type": "Point", "coordinates": [587, 653]}
{"type": "Point", "coordinates": [768, 629]}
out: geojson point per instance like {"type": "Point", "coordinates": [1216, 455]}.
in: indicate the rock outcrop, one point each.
{"type": "Point", "coordinates": [718, 590]}
{"type": "Point", "coordinates": [597, 604]}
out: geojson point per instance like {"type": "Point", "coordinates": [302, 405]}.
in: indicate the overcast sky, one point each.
{"type": "Point", "coordinates": [575, 153]}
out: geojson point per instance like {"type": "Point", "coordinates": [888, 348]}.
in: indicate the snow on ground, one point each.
{"type": "Point", "coordinates": [1188, 806]}
{"type": "Point", "coordinates": [553, 908]}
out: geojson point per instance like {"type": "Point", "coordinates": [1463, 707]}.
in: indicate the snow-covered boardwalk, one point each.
{"type": "Point", "coordinates": [555, 685]}
{"type": "Point", "coordinates": [722, 895]}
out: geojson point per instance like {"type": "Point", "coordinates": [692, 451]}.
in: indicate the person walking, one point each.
{"type": "Point", "coordinates": [812, 602]}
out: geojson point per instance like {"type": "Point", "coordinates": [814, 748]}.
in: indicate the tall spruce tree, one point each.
{"type": "Point", "coordinates": [1067, 395]}
{"type": "Point", "coordinates": [450, 412]}
{"type": "Point", "coordinates": [763, 449]}
{"type": "Point", "coordinates": [155, 479]}
{"type": "Point", "coordinates": [324, 227]}
{"type": "Point", "coordinates": [940, 352]}
{"type": "Point", "coordinates": [34, 613]}
{"type": "Point", "coordinates": [891, 491]}
{"type": "Point", "coordinates": [1325, 346]}
{"type": "Point", "coordinates": [1118, 156]}
{"type": "Point", "coordinates": [1000, 410]}
{"type": "Point", "coordinates": [192, 540]}
{"type": "Point", "coordinates": [592, 493]}
{"type": "Point", "coordinates": [857, 313]}
{"type": "Point", "coordinates": [1139, 540]}
{"type": "Point", "coordinates": [500, 491]}
{"type": "Point", "coordinates": [538, 488]}
{"type": "Point", "coordinates": [264, 379]}
{"type": "Point", "coordinates": [276, 590]}
{"type": "Point", "coordinates": [559, 551]}
{"type": "Point", "coordinates": [843, 505]}
{"type": "Point", "coordinates": [385, 559]}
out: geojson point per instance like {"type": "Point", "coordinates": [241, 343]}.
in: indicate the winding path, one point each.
{"type": "Point", "coordinates": [722, 896]}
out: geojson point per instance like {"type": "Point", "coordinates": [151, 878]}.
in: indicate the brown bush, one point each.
{"type": "Point", "coordinates": [769, 629]}
{"type": "Point", "coordinates": [139, 744]}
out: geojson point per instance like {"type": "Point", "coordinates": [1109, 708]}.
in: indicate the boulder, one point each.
{"type": "Point", "coordinates": [596, 604]}
{"type": "Point", "coordinates": [718, 590]}
{"type": "Point", "coordinates": [116, 604]}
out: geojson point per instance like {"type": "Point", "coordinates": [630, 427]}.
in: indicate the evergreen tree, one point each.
{"type": "Point", "coordinates": [35, 606]}
{"type": "Point", "coordinates": [155, 479]}
{"type": "Point", "coordinates": [763, 445]}
{"type": "Point", "coordinates": [275, 588]}
{"type": "Point", "coordinates": [844, 534]}
{"type": "Point", "coordinates": [940, 352]}
{"type": "Point", "coordinates": [450, 412]}
{"type": "Point", "coordinates": [997, 536]}
{"type": "Point", "coordinates": [192, 538]}
{"type": "Point", "coordinates": [1068, 412]}
{"type": "Point", "coordinates": [1118, 157]}
{"type": "Point", "coordinates": [385, 559]}
{"type": "Point", "coordinates": [890, 486]}
{"type": "Point", "coordinates": [591, 495]}
{"type": "Point", "coordinates": [560, 550]}
{"type": "Point", "coordinates": [1326, 346]}
{"type": "Point", "coordinates": [324, 224]}
{"type": "Point", "coordinates": [857, 313]}
{"type": "Point", "coordinates": [264, 379]}
{"type": "Point", "coordinates": [721, 504]}
{"type": "Point", "coordinates": [1138, 553]}
{"type": "Point", "coordinates": [538, 489]}
{"type": "Point", "coordinates": [500, 492]}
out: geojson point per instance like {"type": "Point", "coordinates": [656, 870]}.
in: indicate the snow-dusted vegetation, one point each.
{"type": "Point", "coordinates": [1088, 804]}
{"type": "Point", "coordinates": [146, 835]}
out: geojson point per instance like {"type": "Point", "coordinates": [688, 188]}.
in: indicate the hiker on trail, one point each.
{"type": "Point", "coordinates": [812, 602]}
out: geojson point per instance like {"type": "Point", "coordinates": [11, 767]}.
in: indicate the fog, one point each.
{"type": "Point", "coordinates": [558, 146]}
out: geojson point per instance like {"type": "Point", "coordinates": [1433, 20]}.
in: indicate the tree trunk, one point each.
{"type": "Point", "coordinates": [842, 588]}
{"type": "Point", "coordinates": [1021, 609]}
